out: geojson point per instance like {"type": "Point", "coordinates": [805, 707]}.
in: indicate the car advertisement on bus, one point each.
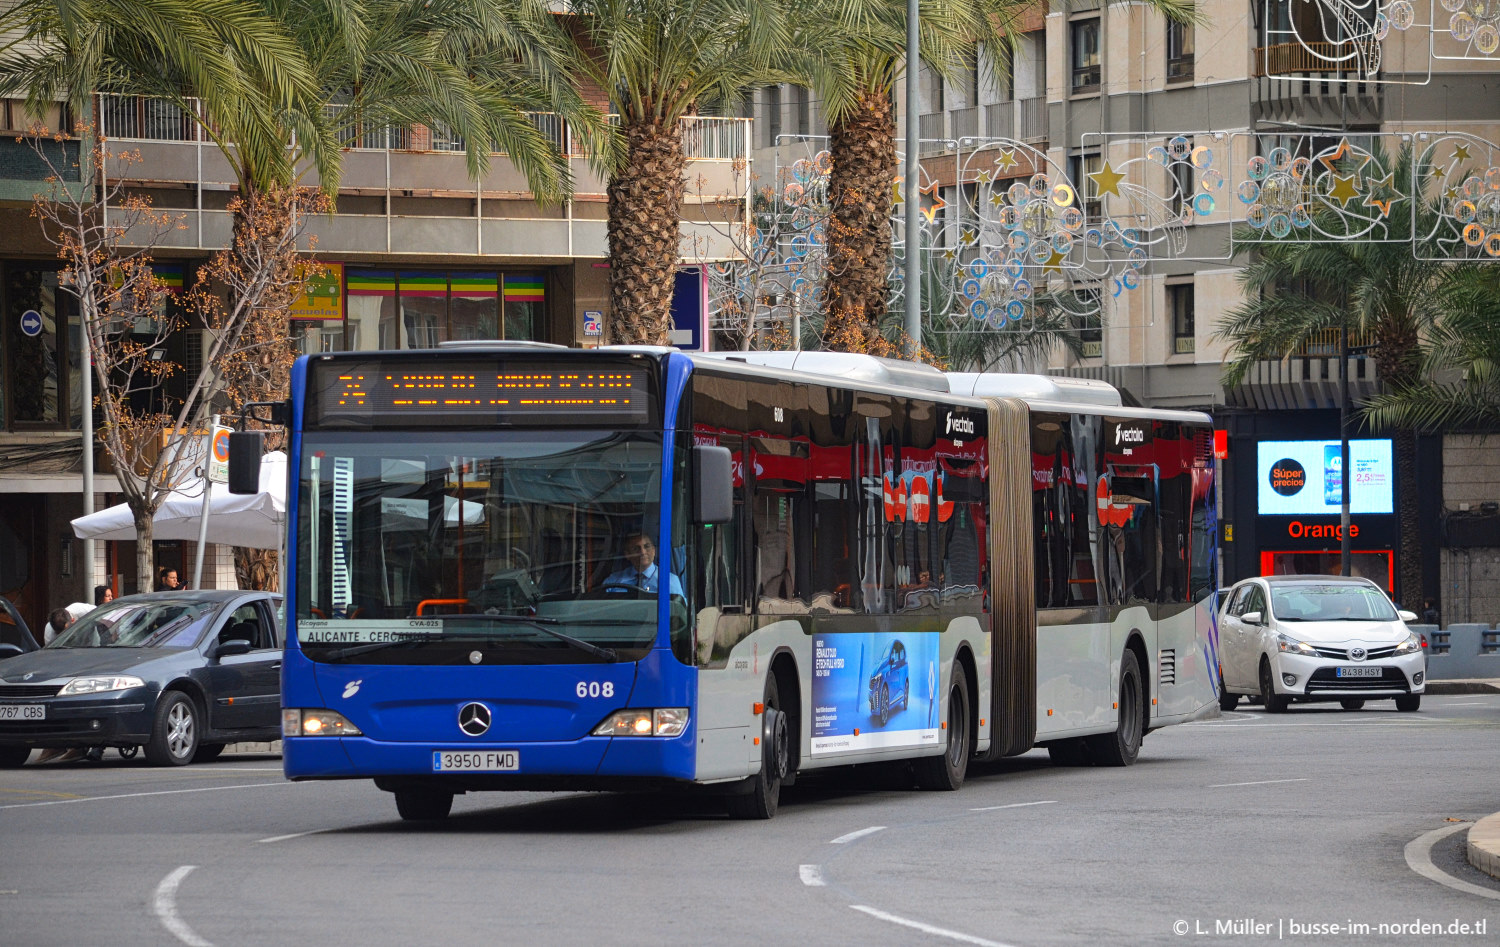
{"type": "Point", "coordinates": [872, 691]}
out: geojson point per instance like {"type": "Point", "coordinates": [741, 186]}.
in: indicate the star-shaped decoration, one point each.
{"type": "Point", "coordinates": [1007, 159]}
{"type": "Point", "coordinates": [1331, 161]}
{"type": "Point", "coordinates": [1382, 187]}
{"type": "Point", "coordinates": [1106, 180]}
{"type": "Point", "coordinates": [1436, 171]}
{"type": "Point", "coordinates": [1054, 263]}
{"type": "Point", "coordinates": [949, 255]}
{"type": "Point", "coordinates": [1461, 153]}
{"type": "Point", "coordinates": [896, 191]}
{"type": "Point", "coordinates": [1452, 193]}
{"type": "Point", "coordinates": [969, 237]}
{"type": "Point", "coordinates": [938, 203]}
{"type": "Point", "coordinates": [997, 199]}
{"type": "Point", "coordinates": [1345, 189]}
{"type": "Point", "coordinates": [985, 176]}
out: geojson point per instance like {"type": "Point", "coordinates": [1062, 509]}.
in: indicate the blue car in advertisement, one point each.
{"type": "Point", "coordinates": [890, 681]}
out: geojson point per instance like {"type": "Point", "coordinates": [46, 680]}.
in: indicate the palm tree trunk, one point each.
{"type": "Point", "coordinates": [860, 189]}
{"type": "Point", "coordinates": [645, 210]}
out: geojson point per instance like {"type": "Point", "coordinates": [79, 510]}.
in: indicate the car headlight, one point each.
{"type": "Point", "coordinates": [646, 722]}
{"type": "Point", "coordinates": [1292, 646]}
{"type": "Point", "coordinates": [99, 685]}
{"type": "Point", "coordinates": [297, 722]}
{"type": "Point", "coordinates": [1411, 645]}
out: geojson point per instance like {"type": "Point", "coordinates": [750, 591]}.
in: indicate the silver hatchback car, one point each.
{"type": "Point", "coordinates": [1317, 638]}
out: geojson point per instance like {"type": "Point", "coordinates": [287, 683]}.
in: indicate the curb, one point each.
{"type": "Point", "coordinates": [1459, 687]}
{"type": "Point", "coordinates": [253, 749]}
{"type": "Point", "coordinates": [1484, 845]}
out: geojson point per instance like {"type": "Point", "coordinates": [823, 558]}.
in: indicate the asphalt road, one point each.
{"type": "Point", "coordinates": [1315, 817]}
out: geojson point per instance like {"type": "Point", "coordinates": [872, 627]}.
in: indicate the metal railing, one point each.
{"type": "Point", "coordinates": [1325, 342]}
{"type": "Point", "coordinates": [1000, 120]}
{"type": "Point", "coordinates": [1033, 119]}
{"type": "Point", "coordinates": [1290, 59]}
{"type": "Point", "coordinates": [139, 118]}
{"type": "Point", "coordinates": [965, 123]}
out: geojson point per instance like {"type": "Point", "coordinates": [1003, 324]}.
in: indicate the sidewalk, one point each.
{"type": "Point", "coordinates": [1484, 835]}
{"type": "Point", "coordinates": [1468, 686]}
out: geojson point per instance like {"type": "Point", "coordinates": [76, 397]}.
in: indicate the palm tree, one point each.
{"type": "Point", "coordinates": [1382, 290]}
{"type": "Point", "coordinates": [1465, 341]}
{"type": "Point", "coordinates": [661, 60]}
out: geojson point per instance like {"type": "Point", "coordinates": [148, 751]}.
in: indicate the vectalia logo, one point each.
{"type": "Point", "coordinates": [1129, 435]}
{"type": "Point", "coordinates": [352, 688]}
{"type": "Point", "coordinates": [959, 425]}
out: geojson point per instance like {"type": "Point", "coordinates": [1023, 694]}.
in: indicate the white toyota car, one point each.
{"type": "Point", "coordinates": [1317, 637]}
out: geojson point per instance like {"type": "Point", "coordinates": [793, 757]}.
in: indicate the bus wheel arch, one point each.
{"type": "Point", "coordinates": [789, 690]}
{"type": "Point", "coordinates": [946, 771]}
{"type": "Point", "coordinates": [778, 742]}
{"type": "Point", "coordinates": [1137, 643]}
{"type": "Point", "coordinates": [1121, 746]}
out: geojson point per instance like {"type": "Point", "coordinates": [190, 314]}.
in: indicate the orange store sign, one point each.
{"type": "Point", "coordinates": [1297, 529]}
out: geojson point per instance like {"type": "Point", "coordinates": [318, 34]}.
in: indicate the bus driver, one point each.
{"type": "Point", "coordinates": [641, 571]}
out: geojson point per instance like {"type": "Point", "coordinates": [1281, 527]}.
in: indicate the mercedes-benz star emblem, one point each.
{"type": "Point", "coordinates": [474, 719]}
{"type": "Point", "coordinates": [475, 657]}
{"type": "Point", "coordinates": [1357, 654]}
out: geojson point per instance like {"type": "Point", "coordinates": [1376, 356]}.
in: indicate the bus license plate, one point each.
{"type": "Point", "coordinates": [476, 761]}
{"type": "Point", "coordinates": [1359, 672]}
{"type": "Point", "coordinates": [23, 711]}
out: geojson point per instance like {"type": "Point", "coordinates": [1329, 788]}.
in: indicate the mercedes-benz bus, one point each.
{"type": "Point", "coordinates": [523, 567]}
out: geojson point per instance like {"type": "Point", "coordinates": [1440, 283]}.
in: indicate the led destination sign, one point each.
{"type": "Point", "coordinates": [395, 391]}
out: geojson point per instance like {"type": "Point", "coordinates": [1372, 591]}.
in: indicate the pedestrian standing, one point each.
{"type": "Point", "coordinates": [103, 594]}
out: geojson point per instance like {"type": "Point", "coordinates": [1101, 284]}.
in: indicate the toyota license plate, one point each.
{"type": "Point", "coordinates": [476, 761]}
{"type": "Point", "coordinates": [1358, 672]}
{"type": "Point", "coordinates": [23, 711]}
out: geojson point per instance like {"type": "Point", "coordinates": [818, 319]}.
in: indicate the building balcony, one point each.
{"type": "Point", "coordinates": [409, 190]}
{"type": "Point", "coordinates": [1301, 83]}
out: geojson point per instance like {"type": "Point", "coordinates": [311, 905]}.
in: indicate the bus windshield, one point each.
{"type": "Point", "coordinates": [480, 547]}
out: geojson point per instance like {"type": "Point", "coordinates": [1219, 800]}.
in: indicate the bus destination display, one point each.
{"type": "Point", "coordinates": [446, 392]}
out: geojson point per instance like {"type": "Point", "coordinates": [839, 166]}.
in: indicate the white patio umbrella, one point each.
{"type": "Point", "coordinates": [254, 520]}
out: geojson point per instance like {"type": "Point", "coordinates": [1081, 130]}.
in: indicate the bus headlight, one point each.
{"type": "Point", "coordinates": [297, 722]}
{"type": "Point", "coordinates": [646, 722]}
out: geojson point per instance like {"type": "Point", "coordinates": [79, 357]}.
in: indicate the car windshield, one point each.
{"type": "Point", "coordinates": [158, 623]}
{"type": "Point", "coordinates": [1330, 603]}
{"type": "Point", "coordinates": [418, 548]}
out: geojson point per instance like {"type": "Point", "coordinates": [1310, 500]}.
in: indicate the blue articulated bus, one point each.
{"type": "Point", "coordinates": [526, 567]}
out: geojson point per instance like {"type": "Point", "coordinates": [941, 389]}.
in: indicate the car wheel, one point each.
{"type": "Point", "coordinates": [1071, 752]}
{"type": "Point", "coordinates": [1275, 703]}
{"type": "Point", "coordinates": [1227, 701]}
{"type": "Point", "coordinates": [12, 757]}
{"type": "Point", "coordinates": [208, 752]}
{"type": "Point", "coordinates": [174, 737]}
{"type": "Point", "coordinates": [946, 772]}
{"type": "Point", "coordinates": [1121, 747]}
{"type": "Point", "coordinates": [885, 704]}
{"type": "Point", "coordinates": [423, 805]}
{"type": "Point", "coordinates": [1409, 703]}
{"type": "Point", "coordinates": [1352, 703]}
{"type": "Point", "coordinates": [761, 801]}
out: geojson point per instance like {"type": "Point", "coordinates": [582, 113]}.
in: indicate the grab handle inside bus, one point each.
{"type": "Point", "coordinates": [713, 475]}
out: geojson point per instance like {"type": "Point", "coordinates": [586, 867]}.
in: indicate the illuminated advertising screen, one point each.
{"type": "Point", "coordinates": [1305, 478]}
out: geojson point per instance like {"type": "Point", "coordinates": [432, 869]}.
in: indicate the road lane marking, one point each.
{"type": "Point", "coordinates": [283, 838]}
{"type": "Point", "coordinates": [136, 795]}
{"type": "Point", "coordinates": [42, 792]}
{"type": "Point", "coordinates": [854, 835]}
{"type": "Point", "coordinates": [926, 928]}
{"type": "Point", "coordinates": [164, 903]}
{"type": "Point", "coordinates": [1259, 782]}
{"type": "Point", "coordinates": [812, 875]}
{"type": "Point", "coordinates": [1419, 860]}
{"type": "Point", "coordinates": [1015, 805]}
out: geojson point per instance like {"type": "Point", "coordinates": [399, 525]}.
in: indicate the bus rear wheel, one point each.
{"type": "Point", "coordinates": [1121, 747]}
{"type": "Point", "coordinates": [764, 795]}
{"type": "Point", "coordinates": [423, 805]}
{"type": "Point", "coordinates": [946, 772]}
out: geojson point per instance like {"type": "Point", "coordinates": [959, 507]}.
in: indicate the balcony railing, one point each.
{"type": "Point", "coordinates": [137, 118]}
{"type": "Point", "coordinates": [1325, 342]}
{"type": "Point", "coordinates": [1033, 119]}
{"type": "Point", "coordinates": [1000, 120]}
{"type": "Point", "coordinates": [1297, 59]}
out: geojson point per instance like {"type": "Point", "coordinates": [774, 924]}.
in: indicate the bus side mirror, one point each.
{"type": "Point", "coordinates": [713, 476]}
{"type": "Point", "coordinates": [244, 461]}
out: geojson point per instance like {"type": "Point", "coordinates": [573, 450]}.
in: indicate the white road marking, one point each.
{"type": "Point", "coordinates": [812, 875]}
{"type": "Point", "coordinates": [926, 928]}
{"type": "Point", "coordinates": [283, 838]}
{"type": "Point", "coordinates": [854, 835]}
{"type": "Point", "coordinates": [1419, 860]}
{"type": "Point", "coordinates": [1015, 805]}
{"type": "Point", "coordinates": [1259, 782]}
{"type": "Point", "coordinates": [136, 795]}
{"type": "Point", "coordinates": [165, 906]}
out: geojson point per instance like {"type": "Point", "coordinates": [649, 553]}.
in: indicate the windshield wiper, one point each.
{"type": "Point", "coordinates": [540, 624]}
{"type": "Point", "coordinates": [353, 650]}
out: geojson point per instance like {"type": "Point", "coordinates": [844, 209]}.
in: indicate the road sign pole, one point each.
{"type": "Point", "coordinates": [211, 472]}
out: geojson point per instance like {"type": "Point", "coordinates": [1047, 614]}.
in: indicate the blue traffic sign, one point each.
{"type": "Point", "coordinates": [31, 322]}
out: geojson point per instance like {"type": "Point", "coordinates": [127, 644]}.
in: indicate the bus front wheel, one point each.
{"type": "Point", "coordinates": [764, 796]}
{"type": "Point", "coordinates": [423, 805]}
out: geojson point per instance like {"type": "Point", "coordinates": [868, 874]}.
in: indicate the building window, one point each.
{"type": "Point", "coordinates": [1080, 167]}
{"type": "Point", "coordinates": [801, 110]}
{"type": "Point", "coordinates": [1180, 305]}
{"type": "Point", "coordinates": [412, 309]}
{"type": "Point", "coordinates": [1085, 52]}
{"type": "Point", "coordinates": [1182, 190]}
{"type": "Point", "coordinates": [773, 114]}
{"type": "Point", "coordinates": [40, 365]}
{"type": "Point", "coordinates": [1179, 50]}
